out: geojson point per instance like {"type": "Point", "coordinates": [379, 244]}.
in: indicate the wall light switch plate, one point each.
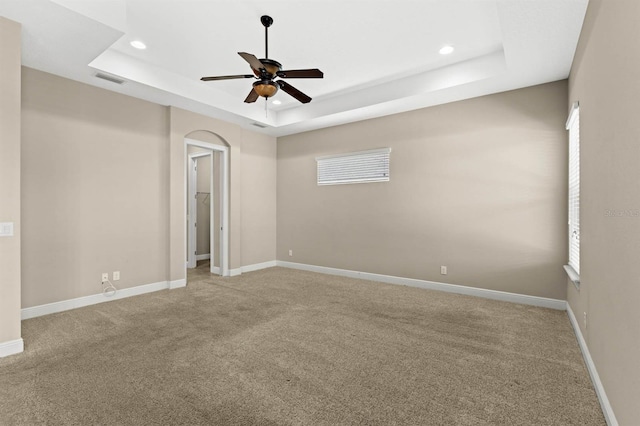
{"type": "Point", "coordinates": [443, 270]}
{"type": "Point", "coordinates": [6, 229]}
{"type": "Point", "coordinates": [116, 275]}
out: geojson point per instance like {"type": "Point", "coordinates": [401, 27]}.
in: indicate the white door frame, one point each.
{"type": "Point", "coordinates": [223, 203]}
{"type": "Point", "coordinates": [192, 233]}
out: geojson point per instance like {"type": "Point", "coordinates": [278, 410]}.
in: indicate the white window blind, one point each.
{"type": "Point", "coordinates": [354, 167]}
{"type": "Point", "coordinates": [573, 126]}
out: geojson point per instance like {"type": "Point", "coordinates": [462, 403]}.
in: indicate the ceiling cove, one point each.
{"type": "Point", "coordinates": [378, 57]}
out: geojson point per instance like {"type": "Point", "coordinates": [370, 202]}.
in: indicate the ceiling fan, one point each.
{"type": "Point", "coordinates": [265, 71]}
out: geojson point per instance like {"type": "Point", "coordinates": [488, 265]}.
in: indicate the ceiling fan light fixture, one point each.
{"type": "Point", "coordinates": [265, 88]}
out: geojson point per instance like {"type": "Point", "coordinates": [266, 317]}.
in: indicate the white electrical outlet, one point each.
{"type": "Point", "coordinates": [443, 270]}
{"type": "Point", "coordinates": [105, 277]}
{"type": "Point", "coordinates": [116, 275]}
{"type": "Point", "coordinates": [290, 252]}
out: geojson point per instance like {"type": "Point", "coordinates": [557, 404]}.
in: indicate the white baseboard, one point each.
{"type": "Point", "coordinates": [11, 347]}
{"type": "Point", "coordinates": [203, 256]}
{"type": "Point", "coordinates": [215, 270]}
{"type": "Point", "coordinates": [607, 410]}
{"type": "Point", "coordinates": [182, 282]}
{"type": "Point", "coordinates": [250, 268]}
{"type": "Point", "coordinates": [65, 305]}
{"type": "Point", "coordinates": [432, 285]}
{"type": "Point", "coordinates": [258, 266]}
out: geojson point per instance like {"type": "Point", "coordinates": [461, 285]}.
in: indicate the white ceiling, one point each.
{"type": "Point", "coordinates": [378, 57]}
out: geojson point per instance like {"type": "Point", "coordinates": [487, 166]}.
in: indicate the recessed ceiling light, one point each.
{"type": "Point", "coordinates": [276, 102]}
{"type": "Point", "coordinates": [138, 44]}
{"type": "Point", "coordinates": [445, 50]}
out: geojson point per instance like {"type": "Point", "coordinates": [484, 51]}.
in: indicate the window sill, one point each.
{"type": "Point", "coordinates": [573, 276]}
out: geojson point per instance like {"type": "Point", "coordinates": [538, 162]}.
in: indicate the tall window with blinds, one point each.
{"type": "Point", "coordinates": [573, 126]}
{"type": "Point", "coordinates": [354, 167]}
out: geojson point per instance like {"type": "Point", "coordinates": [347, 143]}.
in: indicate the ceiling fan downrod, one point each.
{"type": "Point", "coordinates": [266, 21]}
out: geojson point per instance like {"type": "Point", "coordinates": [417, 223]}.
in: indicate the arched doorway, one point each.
{"type": "Point", "coordinates": [218, 155]}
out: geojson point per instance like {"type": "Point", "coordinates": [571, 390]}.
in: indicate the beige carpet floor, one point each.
{"type": "Point", "coordinates": [287, 347]}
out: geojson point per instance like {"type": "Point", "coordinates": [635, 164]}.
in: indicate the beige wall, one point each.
{"type": "Point", "coordinates": [94, 189]}
{"type": "Point", "coordinates": [477, 185]}
{"type": "Point", "coordinates": [258, 198]}
{"type": "Point", "coordinates": [10, 179]}
{"type": "Point", "coordinates": [605, 80]}
{"type": "Point", "coordinates": [103, 179]}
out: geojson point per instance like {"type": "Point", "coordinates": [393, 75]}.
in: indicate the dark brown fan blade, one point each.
{"type": "Point", "coordinates": [310, 73]}
{"type": "Point", "coordinates": [253, 61]}
{"type": "Point", "coordinates": [294, 92]}
{"type": "Point", "coordinates": [227, 77]}
{"type": "Point", "coordinates": [252, 97]}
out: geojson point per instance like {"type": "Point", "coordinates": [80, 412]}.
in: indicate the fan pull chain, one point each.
{"type": "Point", "coordinates": [266, 111]}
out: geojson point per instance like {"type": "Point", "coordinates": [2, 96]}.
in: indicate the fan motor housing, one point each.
{"type": "Point", "coordinates": [271, 66]}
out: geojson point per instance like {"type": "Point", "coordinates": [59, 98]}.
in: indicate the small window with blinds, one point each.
{"type": "Point", "coordinates": [354, 167]}
{"type": "Point", "coordinates": [573, 126]}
